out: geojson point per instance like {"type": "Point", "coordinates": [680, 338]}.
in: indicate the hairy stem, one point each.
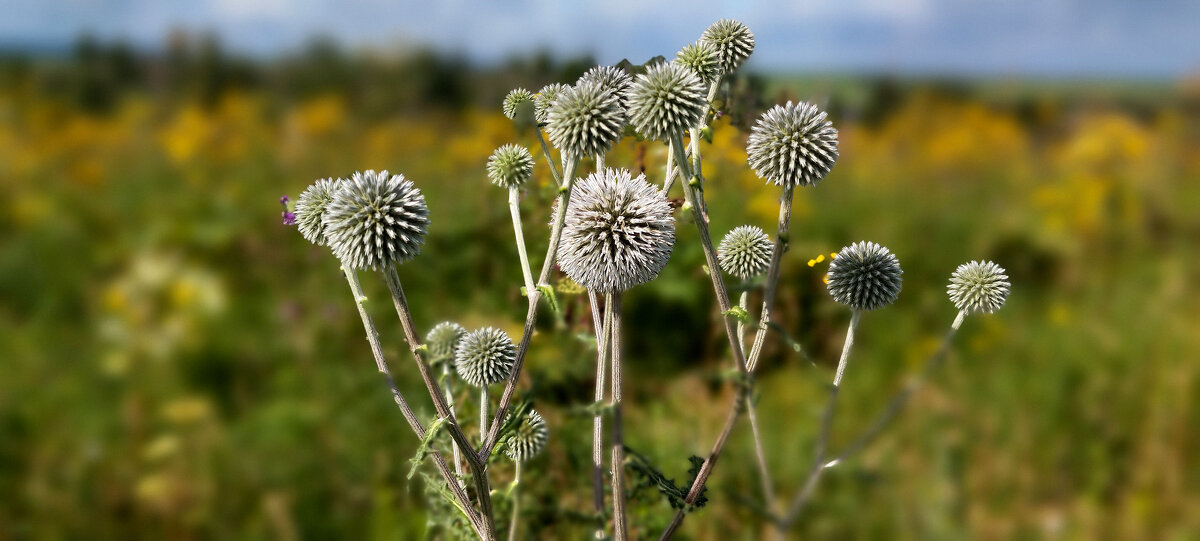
{"type": "Point", "coordinates": [814, 474]}
{"type": "Point", "coordinates": [478, 465]}
{"type": "Point", "coordinates": [514, 207]}
{"type": "Point", "coordinates": [777, 251]}
{"type": "Point", "coordinates": [760, 454]}
{"type": "Point", "coordinates": [483, 411]}
{"type": "Point", "coordinates": [602, 341]}
{"type": "Point", "coordinates": [612, 308]}
{"type": "Point", "coordinates": [672, 171]}
{"type": "Point", "coordinates": [897, 403]}
{"type": "Point", "coordinates": [452, 483]}
{"type": "Point", "coordinates": [456, 454]}
{"type": "Point", "coordinates": [558, 179]}
{"type": "Point", "coordinates": [516, 502]}
{"type": "Point", "coordinates": [510, 387]}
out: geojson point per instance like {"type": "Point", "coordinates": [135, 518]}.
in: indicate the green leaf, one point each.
{"type": "Point", "coordinates": [739, 313]}
{"type": "Point", "coordinates": [423, 448]}
{"type": "Point", "coordinates": [551, 298]}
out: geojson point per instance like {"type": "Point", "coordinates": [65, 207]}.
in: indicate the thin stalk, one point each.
{"type": "Point", "coordinates": [558, 179]}
{"type": "Point", "coordinates": [694, 140]}
{"type": "Point", "coordinates": [516, 502]}
{"type": "Point", "coordinates": [814, 474]}
{"type": "Point", "coordinates": [510, 387]}
{"type": "Point", "coordinates": [514, 207]}
{"type": "Point", "coordinates": [743, 301]}
{"type": "Point", "coordinates": [602, 340]}
{"type": "Point", "coordinates": [455, 487]}
{"type": "Point", "coordinates": [671, 172]}
{"type": "Point", "coordinates": [781, 246]}
{"type": "Point", "coordinates": [478, 465]}
{"type": "Point", "coordinates": [760, 454]}
{"type": "Point", "coordinates": [612, 308]}
{"type": "Point", "coordinates": [898, 401]}
{"type": "Point", "coordinates": [483, 412]}
{"type": "Point", "coordinates": [450, 402]}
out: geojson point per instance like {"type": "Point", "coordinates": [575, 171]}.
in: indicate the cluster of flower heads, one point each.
{"type": "Point", "coordinates": [745, 252]}
{"type": "Point", "coordinates": [619, 232]}
{"type": "Point", "coordinates": [528, 439]}
{"type": "Point", "coordinates": [484, 356]}
{"type": "Point", "coordinates": [793, 145]}
{"type": "Point", "coordinates": [978, 287]}
{"type": "Point", "coordinates": [864, 276]}
{"type": "Point", "coordinates": [510, 166]}
{"type": "Point", "coordinates": [370, 220]}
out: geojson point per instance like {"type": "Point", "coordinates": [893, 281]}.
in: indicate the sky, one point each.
{"type": "Point", "coordinates": [1115, 38]}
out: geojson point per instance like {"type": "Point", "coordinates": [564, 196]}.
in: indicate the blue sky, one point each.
{"type": "Point", "coordinates": [1156, 38]}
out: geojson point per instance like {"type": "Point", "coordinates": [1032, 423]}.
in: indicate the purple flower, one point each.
{"type": "Point", "coordinates": [289, 218]}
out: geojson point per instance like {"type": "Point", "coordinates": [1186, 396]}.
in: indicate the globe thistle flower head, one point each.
{"type": "Point", "coordinates": [442, 340]}
{"type": "Point", "coordinates": [608, 77]}
{"type": "Point", "coordinates": [864, 276]}
{"type": "Point", "coordinates": [516, 100]}
{"type": "Point", "coordinates": [978, 287]}
{"type": "Point", "coordinates": [733, 41]}
{"type": "Point", "coordinates": [510, 166]}
{"type": "Point", "coordinates": [310, 210]}
{"type": "Point", "coordinates": [544, 99]}
{"type": "Point", "coordinates": [745, 252]}
{"type": "Point", "coordinates": [666, 100]}
{"type": "Point", "coordinates": [528, 439]}
{"type": "Point", "coordinates": [585, 120]}
{"type": "Point", "coordinates": [375, 219]}
{"type": "Point", "coordinates": [484, 356]}
{"type": "Point", "coordinates": [618, 233]}
{"type": "Point", "coordinates": [793, 145]}
{"type": "Point", "coordinates": [702, 58]}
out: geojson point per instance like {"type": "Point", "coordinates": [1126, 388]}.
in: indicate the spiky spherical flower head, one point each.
{"type": "Point", "coordinates": [484, 356]}
{"type": "Point", "coordinates": [544, 99]}
{"type": "Point", "coordinates": [618, 233]}
{"type": "Point", "coordinates": [978, 287]}
{"type": "Point", "coordinates": [310, 210]}
{"type": "Point", "coordinates": [510, 166]}
{"type": "Point", "coordinates": [376, 219]}
{"type": "Point", "coordinates": [516, 100]}
{"type": "Point", "coordinates": [864, 276]}
{"type": "Point", "coordinates": [528, 439]}
{"type": "Point", "coordinates": [733, 41]}
{"type": "Point", "coordinates": [610, 77]}
{"type": "Point", "coordinates": [745, 252]}
{"type": "Point", "coordinates": [585, 120]}
{"type": "Point", "coordinates": [702, 58]}
{"type": "Point", "coordinates": [793, 145]}
{"type": "Point", "coordinates": [666, 100]}
{"type": "Point", "coordinates": [442, 340]}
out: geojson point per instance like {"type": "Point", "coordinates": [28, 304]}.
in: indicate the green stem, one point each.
{"type": "Point", "coordinates": [456, 454]}
{"type": "Point", "coordinates": [516, 502]}
{"type": "Point", "coordinates": [455, 487]}
{"type": "Point", "coordinates": [558, 179]}
{"type": "Point", "coordinates": [603, 338]}
{"type": "Point", "coordinates": [514, 207]}
{"type": "Point", "coordinates": [483, 412]}
{"type": "Point", "coordinates": [814, 474]}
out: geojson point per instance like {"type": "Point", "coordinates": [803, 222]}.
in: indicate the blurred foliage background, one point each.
{"type": "Point", "coordinates": [178, 364]}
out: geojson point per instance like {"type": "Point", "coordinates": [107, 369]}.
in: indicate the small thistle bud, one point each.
{"type": "Point", "coordinates": [515, 101]}
{"type": "Point", "coordinates": [793, 145]}
{"type": "Point", "coordinates": [864, 276]}
{"type": "Point", "coordinates": [978, 287]}
{"type": "Point", "coordinates": [544, 99]}
{"type": "Point", "coordinates": [618, 233]}
{"type": "Point", "coordinates": [666, 100]}
{"type": "Point", "coordinates": [484, 356]}
{"type": "Point", "coordinates": [375, 219]}
{"type": "Point", "coordinates": [310, 209]}
{"type": "Point", "coordinates": [609, 77]}
{"type": "Point", "coordinates": [528, 439]}
{"type": "Point", "coordinates": [443, 338]}
{"type": "Point", "coordinates": [702, 58]}
{"type": "Point", "coordinates": [510, 166]}
{"type": "Point", "coordinates": [733, 41]}
{"type": "Point", "coordinates": [585, 120]}
{"type": "Point", "coordinates": [745, 252]}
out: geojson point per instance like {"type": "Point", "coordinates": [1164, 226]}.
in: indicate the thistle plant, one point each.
{"type": "Point", "coordinates": [610, 231]}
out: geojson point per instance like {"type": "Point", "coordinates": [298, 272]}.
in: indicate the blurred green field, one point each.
{"type": "Point", "coordinates": [178, 364]}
